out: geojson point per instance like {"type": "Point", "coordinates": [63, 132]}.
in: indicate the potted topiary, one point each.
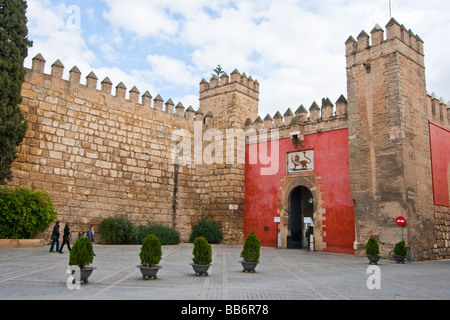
{"type": "Point", "coordinates": [150, 257]}
{"type": "Point", "coordinates": [373, 251]}
{"type": "Point", "coordinates": [400, 252]}
{"type": "Point", "coordinates": [82, 255]}
{"type": "Point", "coordinates": [202, 256]}
{"type": "Point", "coordinates": [250, 253]}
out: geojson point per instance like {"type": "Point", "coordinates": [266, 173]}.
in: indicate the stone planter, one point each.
{"type": "Point", "coordinates": [399, 259]}
{"type": "Point", "coordinates": [373, 259]}
{"type": "Point", "coordinates": [149, 272]}
{"type": "Point", "coordinates": [249, 266]}
{"type": "Point", "coordinates": [200, 269]}
{"type": "Point", "coordinates": [86, 273]}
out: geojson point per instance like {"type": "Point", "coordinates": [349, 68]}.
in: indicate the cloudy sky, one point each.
{"type": "Point", "coordinates": [294, 48]}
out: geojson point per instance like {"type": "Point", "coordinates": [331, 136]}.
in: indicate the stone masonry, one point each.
{"type": "Point", "coordinates": [101, 155]}
{"type": "Point", "coordinates": [389, 139]}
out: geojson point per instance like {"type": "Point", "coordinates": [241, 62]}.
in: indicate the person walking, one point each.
{"type": "Point", "coordinates": [55, 237]}
{"type": "Point", "coordinates": [90, 235]}
{"type": "Point", "coordinates": [66, 237]}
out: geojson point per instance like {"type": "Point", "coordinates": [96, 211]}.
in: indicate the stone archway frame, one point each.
{"type": "Point", "coordinates": [289, 183]}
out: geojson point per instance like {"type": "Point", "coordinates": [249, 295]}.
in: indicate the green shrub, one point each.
{"type": "Point", "coordinates": [118, 230]}
{"type": "Point", "coordinates": [202, 252]}
{"type": "Point", "coordinates": [82, 253]}
{"type": "Point", "coordinates": [208, 230]}
{"type": "Point", "coordinates": [141, 232]}
{"type": "Point", "coordinates": [252, 245]}
{"type": "Point", "coordinates": [167, 235]}
{"type": "Point", "coordinates": [400, 248]}
{"type": "Point", "coordinates": [24, 213]}
{"type": "Point", "coordinates": [372, 248]}
{"type": "Point", "coordinates": [150, 251]}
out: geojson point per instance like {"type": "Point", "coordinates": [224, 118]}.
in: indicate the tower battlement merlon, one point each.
{"type": "Point", "coordinates": [234, 82]}
{"type": "Point", "coordinates": [397, 39]}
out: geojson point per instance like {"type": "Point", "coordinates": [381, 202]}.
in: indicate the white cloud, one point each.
{"type": "Point", "coordinates": [54, 37]}
{"type": "Point", "coordinates": [172, 70]}
{"type": "Point", "coordinates": [109, 52]}
{"type": "Point", "coordinates": [141, 17]}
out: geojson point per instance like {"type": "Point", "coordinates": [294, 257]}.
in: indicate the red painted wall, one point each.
{"type": "Point", "coordinates": [440, 160]}
{"type": "Point", "coordinates": [262, 193]}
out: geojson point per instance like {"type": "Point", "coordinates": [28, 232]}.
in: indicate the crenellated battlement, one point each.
{"type": "Point", "coordinates": [398, 39]}
{"type": "Point", "coordinates": [363, 58]}
{"type": "Point", "coordinates": [231, 99]}
{"type": "Point", "coordinates": [37, 76]}
{"type": "Point", "coordinates": [319, 119]}
{"type": "Point", "coordinates": [438, 110]}
{"type": "Point", "coordinates": [236, 81]}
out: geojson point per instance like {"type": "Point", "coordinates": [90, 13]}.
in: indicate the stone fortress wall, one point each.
{"type": "Point", "coordinates": [101, 155]}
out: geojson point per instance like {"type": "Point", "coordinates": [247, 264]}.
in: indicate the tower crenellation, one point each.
{"type": "Point", "coordinates": [121, 90]}
{"type": "Point", "coordinates": [363, 41]}
{"type": "Point", "coordinates": [437, 109]}
{"type": "Point", "coordinates": [380, 42]}
{"type": "Point", "coordinates": [91, 80]}
{"type": "Point", "coordinates": [231, 99]}
{"type": "Point", "coordinates": [179, 110]}
{"type": "Point", "coordinates": [169, 106]}
{"type": "Point", "coordinates": [134, 95]}
{"type": "Point", "coordinates": [377, 35]}
{"type": "Point", "coordinates": [251, 86]}
{"type": "Point", "coordinates": [147, 99]}
{"type": "Point", "coordinates": [106, 85]}
{"type": "Point", "coordinates": [57, 69]}
{"type": "Point", "coordinates": [38, 63]}
{"type": "Point", "coordinates": [327, 109]}
{"type": "Point", "coordinates": [74, 75]}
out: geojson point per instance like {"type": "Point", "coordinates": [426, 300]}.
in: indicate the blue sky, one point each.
{"type": "Point", "coordinates": [294, 48]}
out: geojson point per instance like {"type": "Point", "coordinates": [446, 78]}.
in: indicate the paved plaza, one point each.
{"type": "Point", "coordinates": [36, 274]}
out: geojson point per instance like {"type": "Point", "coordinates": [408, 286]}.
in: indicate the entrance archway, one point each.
{"type": "Point", "coordinates": [301, 212]}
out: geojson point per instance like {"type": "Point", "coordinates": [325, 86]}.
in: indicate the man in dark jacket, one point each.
{"type": "Point", "coordinates": [55, 237]}
{"type": "Point", "coordinates": [90, 235]}
{"type": "Point", "coordinates": [66, 237]}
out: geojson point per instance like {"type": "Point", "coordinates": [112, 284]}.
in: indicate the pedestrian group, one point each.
{"type": "Point", "coordinates": [66, 237]}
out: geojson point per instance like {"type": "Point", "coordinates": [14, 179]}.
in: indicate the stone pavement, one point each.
{"type": "Point", "coordinates": [36, 274]}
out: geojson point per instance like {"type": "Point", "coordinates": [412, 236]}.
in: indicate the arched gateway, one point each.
{"type": "Point", "coordinates": [299, 210]}
{"type": "Point", "coordinates": [301, 217]}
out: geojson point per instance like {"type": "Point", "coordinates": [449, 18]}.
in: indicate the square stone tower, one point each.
{"type": "Point", "coordinates": [230, 99]}
{"type": "Point", "coordinates": [389, 138]}
{"type": "Point", "coordinates": [226, 104]}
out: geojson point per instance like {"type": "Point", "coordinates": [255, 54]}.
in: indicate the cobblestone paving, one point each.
{"type": "Point", "coordinates": [36, 274]}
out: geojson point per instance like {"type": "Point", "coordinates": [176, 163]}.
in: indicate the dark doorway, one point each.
{"type": "Point", "coordinates": [301, 206]}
